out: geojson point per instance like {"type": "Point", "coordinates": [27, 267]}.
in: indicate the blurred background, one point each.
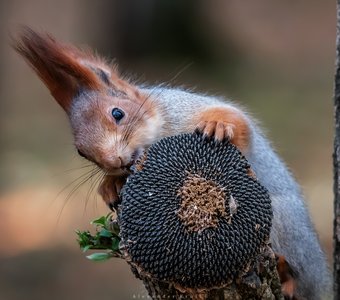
{"type": "Point", "coordinates": [274, 57]}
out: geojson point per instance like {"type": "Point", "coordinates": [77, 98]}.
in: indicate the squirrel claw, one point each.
{"type": "Point", "coordinates": [218, 130]}
{"type": "Point", "coordinates": [112, 206]}
{"type": "Point", "coordinates": [224, 123]}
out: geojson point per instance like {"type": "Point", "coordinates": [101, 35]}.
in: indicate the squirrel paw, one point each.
{"type": "Point", "coordinates": [220, 130]}
{"type": "Point", "coordinates": [109, 190]}
{"type": "Point", "coordinates": [224, 123]}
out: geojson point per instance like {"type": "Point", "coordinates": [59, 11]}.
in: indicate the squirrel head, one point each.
{"type": "Point", "coordinates": [111, 119]}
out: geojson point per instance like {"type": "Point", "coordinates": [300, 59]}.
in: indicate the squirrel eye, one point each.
{"type": "Point", "coordinates": [118, 114]}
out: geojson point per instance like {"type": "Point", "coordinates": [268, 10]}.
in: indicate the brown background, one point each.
{"type": "Point", "coordinates": [274, 57]}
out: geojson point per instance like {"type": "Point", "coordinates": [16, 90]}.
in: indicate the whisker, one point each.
{"type": "Point", "coordinates": [132, 123]}
{"type": "Point", "coordinates": [136, 117]}
{"type": "Point", "coordinates": [99, 180]}
{"type": "Point", "coordinates": [79, 168]}
{"type": "Point", "coordinates": [72, 170]}
{"type": "Point", "coordinates": [74, 181]}
{"type": "Point", "coordinates": [94, 180]}
{"type": "Point", "coordinates": [83, 179]}
{"type": "Point", "coordinates": [75, 188]}
{"type": "Point", "coordinates": [88, 192]}
{"type": "Point", "coordinates": [131, 133]}
{"type": "Point", "coordinates": [181, 71]}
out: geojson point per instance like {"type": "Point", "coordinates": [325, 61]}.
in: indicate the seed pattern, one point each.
{"type": "Point", "coordinates": [161, 238]}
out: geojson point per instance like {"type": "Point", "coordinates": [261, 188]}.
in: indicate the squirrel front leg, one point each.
{"type": "Point", "coordinates": [109, 189]}
{"type": "Point", "coordinates": [224, 122]}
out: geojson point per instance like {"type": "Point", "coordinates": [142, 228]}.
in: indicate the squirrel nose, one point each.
{"type": "Point", "coordinates": [116, 162]}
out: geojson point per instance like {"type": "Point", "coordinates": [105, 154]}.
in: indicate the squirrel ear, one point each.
{"type": "Point", "coordinates": [61, 67]}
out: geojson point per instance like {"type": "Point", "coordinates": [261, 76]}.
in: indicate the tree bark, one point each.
{"type": "Point", "coordinates": [260, 282]}
{"type": "Point", "coordinates": [336, 163]}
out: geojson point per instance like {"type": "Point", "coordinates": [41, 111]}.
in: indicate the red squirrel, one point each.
{"type": "Point", "coordinates": [114, 121]}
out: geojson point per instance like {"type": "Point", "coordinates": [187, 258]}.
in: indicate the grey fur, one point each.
{"type": "Point", "coordinates": [293, 235]}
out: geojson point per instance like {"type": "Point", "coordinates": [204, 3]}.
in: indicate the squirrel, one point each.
{"type": "Point", "coordinates": [114, 120]}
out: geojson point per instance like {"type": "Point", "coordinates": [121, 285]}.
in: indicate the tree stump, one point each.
{"type": "Point", "coordinates": [261, 282]}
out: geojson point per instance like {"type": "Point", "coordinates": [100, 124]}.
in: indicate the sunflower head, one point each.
{"type": "Point", "coordinates": [193, 215]}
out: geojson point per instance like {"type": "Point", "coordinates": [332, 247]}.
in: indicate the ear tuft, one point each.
{"type": "Point", "coordinates": [61, 67]}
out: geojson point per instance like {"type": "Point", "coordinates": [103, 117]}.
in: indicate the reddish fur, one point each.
{"type": "Point", "coordinates": [215, 121]}
{"type": "Point", "coordinates": [65, 68]}
{"type": "Point", "coordinates": [136, 115]}
{"type": "Point", "coordinates": [288, 284]}
{"type": "Point", "coordinates": [110, 188]}
{"type": "Point", "coordinates": [123, 86]}
{"type": "Point", "coordinates": [251, 173]}
{"type": "Point", "coordinates": [59, 66]}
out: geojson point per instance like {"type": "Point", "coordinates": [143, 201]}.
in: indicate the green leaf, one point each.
{"type": "Point", "coordinates": [87, 247]}
{"type": "Point", "coordinates": [84, 238]}
{"type": "Point", "coordinates": [106, 237]}
{"type": "Point", "coordinates": [100, 221]}
{"type": "Point", "coordinates": [115, 244]}
{"type": "Point", "coordinates": [99, 256]}
{"type": "Point", "coordinates": [105, 233]}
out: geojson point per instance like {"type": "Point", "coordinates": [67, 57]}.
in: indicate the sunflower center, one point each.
{"type": "Point", "coordinates": [202, 203]}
